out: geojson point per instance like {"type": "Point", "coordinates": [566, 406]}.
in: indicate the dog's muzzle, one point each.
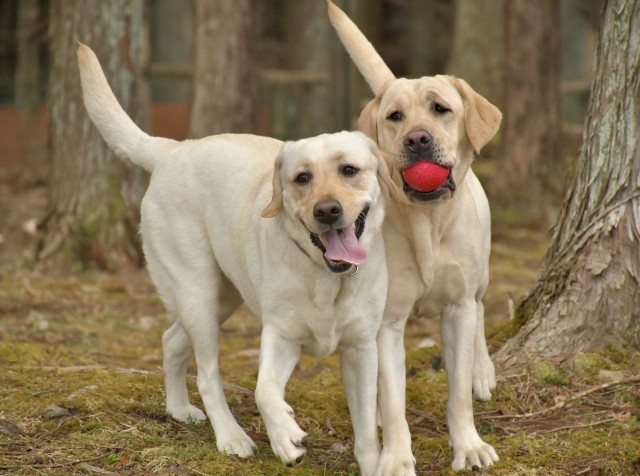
{"type": "Point", "coordinates": [338, 266]}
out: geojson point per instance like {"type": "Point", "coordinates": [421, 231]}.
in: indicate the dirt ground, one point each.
{"type": "Point", "coordinates": [81, 382]}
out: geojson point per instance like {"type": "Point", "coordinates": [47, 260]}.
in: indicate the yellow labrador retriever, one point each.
{"type": "Point", "coordinates": [234, 218]}
{"type": "Point", "coordinates": [437, 243]}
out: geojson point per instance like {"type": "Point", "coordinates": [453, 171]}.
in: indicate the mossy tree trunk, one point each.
{"type": "Point", "coordinates": [588, 293]}
{"type": "Point", "coordinates": [225, 80]}
{"type": "Point", "coordinates": [532, 99]}
{"type": "Point", "coordinates": [478, 47]}
{"type": "Point", "coordinates": [94, 196]}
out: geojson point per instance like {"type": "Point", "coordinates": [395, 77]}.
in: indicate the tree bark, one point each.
{"type": "Point", "coordinates": [306, 44]}
{"type": "Point", "coordinates": [94, 196]}
{"type": "Point", "coordinates": [172, 32]}
{"type": "Point", "coordinates": [478, 54]}
{"type": "Point", "coordinates": [28, 67]}
{"type": "Point", "coordinates": [588, 292]}
{"type": "Point", "coordinates": [225, 82]}
{"type": "Point", "coordinates": [532, 99]}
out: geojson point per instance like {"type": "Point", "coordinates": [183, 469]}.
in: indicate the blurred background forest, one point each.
{"type": "Point", "coordinates": [305, 83]}
{"type": "Point", "coordinates": [274, 67]}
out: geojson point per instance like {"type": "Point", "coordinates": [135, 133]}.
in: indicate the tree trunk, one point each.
{"type": "Point", "coordinates": [28, 67]}
{"type": "Point", "coordinates": [225, 82]}
{"type": "Point", "coordinates": [172, 32]}
{"type": "Point", "coordinates": [531, 107]}
{"type": "Point", "coordinates": [588, 293]}
{"type": "Point", "coordinates": [478, 47]}
{"type": "Point", "coordinates": [94, 196]}
{"type": "Point", "coordinates": [306, 44]}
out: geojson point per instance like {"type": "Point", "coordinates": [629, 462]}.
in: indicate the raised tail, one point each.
{"type": "Point", "coordinates": [363, 54]}
{"type": "Point", "coordinates": [118, 130]}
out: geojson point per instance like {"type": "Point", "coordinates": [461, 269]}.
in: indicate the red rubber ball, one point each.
{"type": "Point", "coordinates": [425, 176]}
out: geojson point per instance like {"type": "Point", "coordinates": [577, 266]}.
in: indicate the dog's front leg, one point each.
{"type": "Point", "coordinates": [396, 458]}
{"type": "Point", "coordinates": [458, 329]}
{"type": "Point", "coordinates": [359, 369]}
{"type": "Point", "coordinates": [278, 358]}
{"type": "Point", "coordinates": [484, 373]}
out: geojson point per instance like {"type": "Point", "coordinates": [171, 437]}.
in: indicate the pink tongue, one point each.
{"type": "Point", "coordinates": [343, 246]}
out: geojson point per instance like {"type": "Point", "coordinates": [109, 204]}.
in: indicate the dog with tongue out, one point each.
{"type": "Point", "coordinates": [340, 246]}
{"type": "Point", "coordinates": [236, 217]}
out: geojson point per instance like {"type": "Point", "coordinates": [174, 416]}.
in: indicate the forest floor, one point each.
{"type": "Point", "coordinates": [81, 388]}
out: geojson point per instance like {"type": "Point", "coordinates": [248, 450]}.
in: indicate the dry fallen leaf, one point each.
{"type": "Point", "coordinates": [340, 446]}
{"type": "Point", "coordinates": [54, 411]}
{"type": "Point", "coordinates": [622, 416]}
{"type": "Point", "coordinates": [94, 469]}
{"type": "Point", "coordinates": [9, 427]}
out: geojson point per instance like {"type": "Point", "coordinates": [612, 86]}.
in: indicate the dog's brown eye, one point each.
{"type": "Point", "coordinates": [440, 109]}
{"type": "Point", "coordinates": [303, 178]}
{"type": "Point", "coordinates": [349, 170]}
{"type": "Point", "coordinates": [395, 116]}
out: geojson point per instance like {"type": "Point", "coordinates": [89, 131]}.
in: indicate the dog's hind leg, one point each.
{"type": "Point", "coordinates": [192, 285]}
{"type": "Point", "coordinates": [203, 305]}
{"type": "Point", "coordinates": [177, 353]}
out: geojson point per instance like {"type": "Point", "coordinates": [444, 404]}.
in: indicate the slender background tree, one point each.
{"type": "Point", "coordinates": [478, 47]}
{"type": "Point", "coordinates": [588, 292]}
{"type": "Point", "coordinates": [225, 80]}
{"type": "Point", "coordinates": [28, 68]}
{"type": "Point", "coordinates": [532, 103]}
{"type": "Point", "coordinates": [94, 197]}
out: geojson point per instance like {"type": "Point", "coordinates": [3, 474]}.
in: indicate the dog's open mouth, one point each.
{"type": "Point", "coordinates": [340, 247]}
{"type": "Point", "coordinates": [443, 191]}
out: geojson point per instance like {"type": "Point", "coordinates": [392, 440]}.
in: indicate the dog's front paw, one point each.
{"type": "Point", "coordinates": [235, 442]}
{"type": "Point", "coordinates": [472, 453]}
{"type": "Point", "coordinates": [187, 414]}
{"type": "Point", "coordinates": [289, 443]}
{"type": "Point", "coordinates": [484, 378]}
{"type": "Point", "coordinates": [396, 463]}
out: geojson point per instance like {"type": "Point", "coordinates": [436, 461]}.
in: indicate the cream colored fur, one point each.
{"type": "Point", "coordinates": [208, 249]}
{"type": "Point", "coordinates": [437, 251]}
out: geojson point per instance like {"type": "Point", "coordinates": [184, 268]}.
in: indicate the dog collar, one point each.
{"type": "Point", "coordinates": [301, 249]}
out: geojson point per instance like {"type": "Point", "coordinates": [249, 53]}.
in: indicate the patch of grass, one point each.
{"type": "Point", "coordinates": [117, 422]}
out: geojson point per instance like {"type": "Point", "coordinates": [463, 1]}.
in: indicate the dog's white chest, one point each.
{"type": "Point", "coordinates": [325, 329]}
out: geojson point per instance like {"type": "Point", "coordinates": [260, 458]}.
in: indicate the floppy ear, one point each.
{"type": "Point", "coordinates": [383, 169]}
{"type": "Point", "coordinates": [482, 119]}
{"type": "Point", "coordinates": [275, 204]}
{"type": "Point", "coordinates": [367, 123]}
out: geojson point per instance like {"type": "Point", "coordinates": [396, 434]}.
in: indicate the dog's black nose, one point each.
{"type": "Point", "coordinates": [328, 211]}
{"type": "Point", "coordinates": [417, 140]}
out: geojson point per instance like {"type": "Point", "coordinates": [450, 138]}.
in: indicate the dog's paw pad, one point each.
{"type": "Point", "coordinates": [480, 455]}
{"type": "Point", "coordinates": [396, 464]}
{"type": "Point", "coordinates": [290, 446]}
{"type": "Point", "coordinates": [188, 414]}
{"type": "Point", "coordinates": [239, 446]}
{"type": "Point", "coordinates": [484, 379]}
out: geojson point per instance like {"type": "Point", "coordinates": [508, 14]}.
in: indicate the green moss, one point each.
{"type": "Point", "coordinates": [586, 365]}
{"type": "Point", "coordinates": [548, 372]}
{"type": "Point", "coordinates": [522, 315]}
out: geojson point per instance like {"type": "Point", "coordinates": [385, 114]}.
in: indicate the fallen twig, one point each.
{"type": "Point", "coordinates": [568, 400]}
{"type": "Point", "coordinates": [54, 465]}
{"type": "Point", "coordinates": [426, 416]}
{"type": "Point", "coordinates": [332, 430]}
{"type": "Point", "coordinates": [571, 427]}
